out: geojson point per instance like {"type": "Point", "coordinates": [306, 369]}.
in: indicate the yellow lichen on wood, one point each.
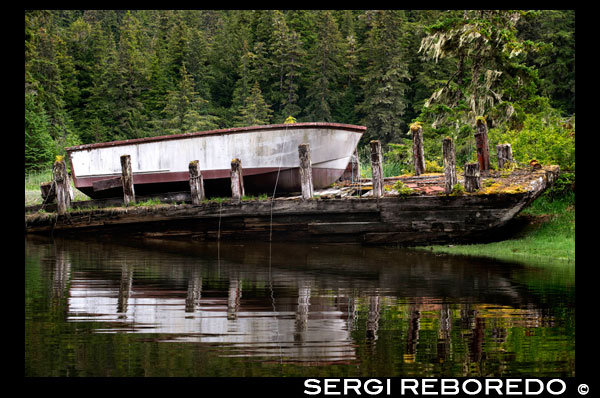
{"type": "Point", "coordinates": [415, 126]}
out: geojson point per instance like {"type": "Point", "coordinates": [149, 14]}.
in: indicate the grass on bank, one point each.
{"type": "Point", "coordinates": [548, 237]}
{"type": "Point", "coordinates": [33, 194]}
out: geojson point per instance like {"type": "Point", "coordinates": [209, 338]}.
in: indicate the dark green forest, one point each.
{"type": "Point", "coordinates": [103, 75]}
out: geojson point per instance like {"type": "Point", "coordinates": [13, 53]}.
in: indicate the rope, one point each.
{"type": "Point", "coordinates": [276, 182]}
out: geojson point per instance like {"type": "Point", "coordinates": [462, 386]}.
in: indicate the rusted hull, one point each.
{"type": "Point", "coordinates": [269, 156]}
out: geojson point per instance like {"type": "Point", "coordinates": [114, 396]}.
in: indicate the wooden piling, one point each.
{"type": "Point", "coordinates": [237, 180]}
{"type": "Point", "coordinates": [449, 164]}
{"type": "Point", "coordinates": [481, 143]}
{"type": "Point", "coordinates": [472, 177]}
{"type": "Point", "coordinates": [306, 180]}
{"type": "Point", "coordinates": [377, 168]}
{"type": "Point", "coordinates": [196, 183]}
{"type": "Point", "coordinates": [505, 156]}
{"type": "Point", "coordinates": [61, 185]}
{"type": "Point", "coordinates": [127, 180]}
{"type": "Point", "coordinates": [355, 166]}
{"type": "Point", "coordinates": [418, 152]}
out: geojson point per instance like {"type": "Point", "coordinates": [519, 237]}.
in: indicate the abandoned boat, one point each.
{"type": "Point", "coordinates": [269, 156]}
{"type": "Point", "coordinates": [421, 213]}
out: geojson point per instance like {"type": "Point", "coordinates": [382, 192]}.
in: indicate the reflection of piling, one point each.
{"type": "Point", "coordinates": [373, 318]}
{"type": "Point", "coordinates": [194, 292]}
{"type": "Point", "coordinates": [476, 346]}
{"type": "Point", "coordinates": [302, 312]}
{"type": "Point", "coordinates": [443, 343]}
{"type": "Point", "coordinates": [124, 289]}
{"type": "Point", "coordinates": [60, 275]}
{"type": "Point", "coordinates": [233, 299]}
{"type": "Point", "coordinates": [412, 334]}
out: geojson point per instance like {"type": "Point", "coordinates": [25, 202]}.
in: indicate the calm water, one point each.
{"type": "Point", "coordinates": [157, 308]}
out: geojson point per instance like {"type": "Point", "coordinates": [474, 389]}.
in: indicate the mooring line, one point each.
{"type": "Point", "coordinates": [274, 309]}
{"type": "Point", "coordinates": [276, 182]}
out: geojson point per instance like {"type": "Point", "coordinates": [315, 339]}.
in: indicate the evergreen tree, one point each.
{"type": "Point", "coordinates": [185, 111]}
{"type": "Point", "coordinates": [287, 55]}
{"type": "Point", "coordinates": [490, 76]}
{"type": "Point", "coordinates": [39, 146]}
{"type": "Point", "coordinates": [386, 76]}
{"type": "Point", "coordinates": [255, 110]}
{"type": "Point", "coordinates": [130, 80]}
{"type": "Point", "coordinates": [326, 67]}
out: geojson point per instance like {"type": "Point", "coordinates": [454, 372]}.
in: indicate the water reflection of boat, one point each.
{"type": "Point", "coordinates": [315, 307]}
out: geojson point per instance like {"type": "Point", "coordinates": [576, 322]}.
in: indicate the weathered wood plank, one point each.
{"type": "Point", "coordinates": [109, 183]}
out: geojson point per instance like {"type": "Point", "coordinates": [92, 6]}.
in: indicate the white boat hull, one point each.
{"type": "Point", "coordinates": [269, 156]}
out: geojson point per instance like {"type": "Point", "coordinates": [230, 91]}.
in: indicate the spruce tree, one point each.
{"type": "Point", "coordinates": [325, 71]}
{"type": "Point", "coordinates": [255, 110]}
{"type": "Point", "coordinates": [385, 79]}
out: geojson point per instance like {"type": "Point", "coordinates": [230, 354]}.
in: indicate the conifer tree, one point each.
{"type": "Point", "coordinates": [255, 110]}
{"type": "Point", "coordinates": [326, 66]}
{"type": "Point", "coordinates": [185, 111]}
{"type": "Point", "coordinates": [386, 76]}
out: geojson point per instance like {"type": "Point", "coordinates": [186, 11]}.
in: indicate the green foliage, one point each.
{"type": "Point", "coordinates": [101, 75]}
{"type": "Point", "coordinates": [457, 190]}
{"type": "Point", "coordinates": [547, 138]}
{"type": "Point", "coordinates": [402, 189]}
{"type": "Point", "coordinates": [39, 146]}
